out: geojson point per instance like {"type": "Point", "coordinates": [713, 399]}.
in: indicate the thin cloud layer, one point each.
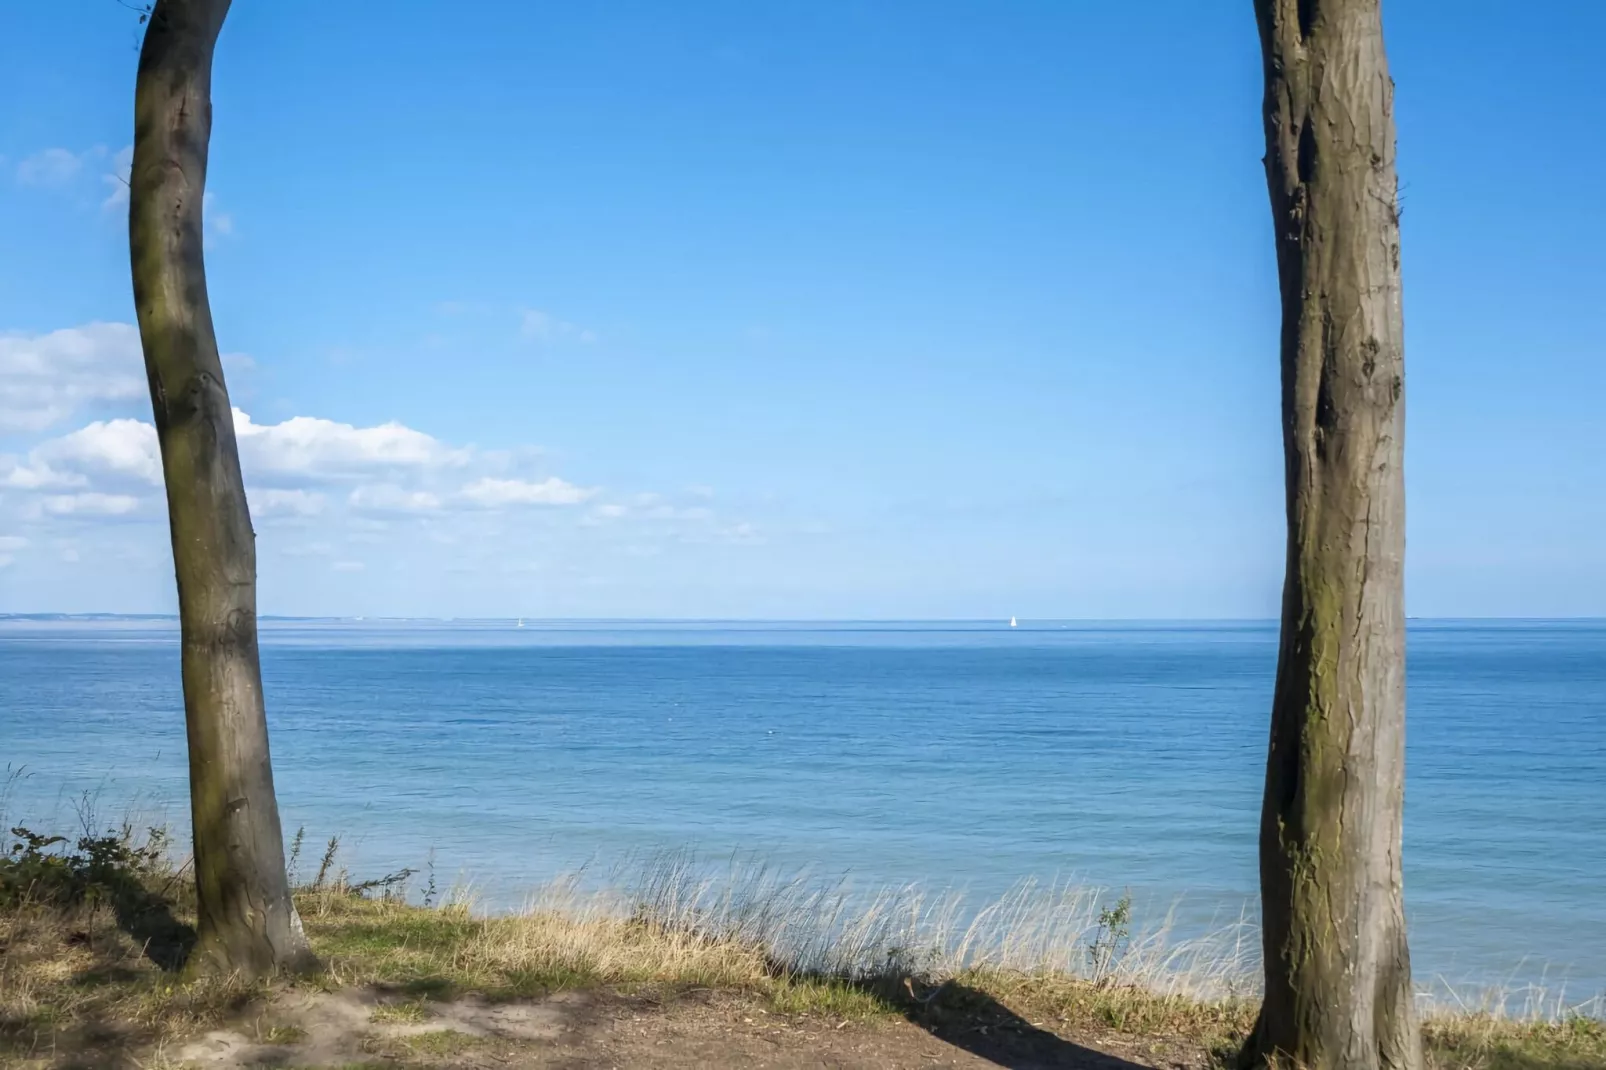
{"type": "Point", "coordinates": [116, 180]}
{"type": "Point", "coordinates": [275, 501]}
{"type": "Point", "coordinates": [391, 498]}
{"type": "Point", "coordinates": [491, 493]}
{"type": "Point", "coordinates": [49, 167]}
{"type": "Point", "coordinates": [538, 326]}
{"type": "Point", "coordinates": [89, 503]}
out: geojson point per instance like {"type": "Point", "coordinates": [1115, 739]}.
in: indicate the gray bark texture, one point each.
{"type": "Point", "coordinates": [247, 923]}
{"type": "Point", "coordinates": [1338, 976]}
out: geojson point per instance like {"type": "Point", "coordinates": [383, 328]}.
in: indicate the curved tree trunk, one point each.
{"type": "Point", "coordinates": [1338, 976]}
{"type": "Point", "coordinates": [247, 921]}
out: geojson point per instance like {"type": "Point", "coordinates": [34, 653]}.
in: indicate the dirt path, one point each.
{"type": "Point", "coordinates": [584, 1031]}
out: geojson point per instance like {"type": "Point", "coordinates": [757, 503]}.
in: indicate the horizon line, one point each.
{"type": "Point", "coordinates": [48, 615]}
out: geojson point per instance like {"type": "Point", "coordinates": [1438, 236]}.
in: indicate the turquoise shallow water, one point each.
{"type": "Point", "coordinates": [972, 755]}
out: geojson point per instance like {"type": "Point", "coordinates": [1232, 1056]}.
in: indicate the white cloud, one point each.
{"type": "Point", "coordinates": [112, 468]}
{"type": "Point", "coordinates": [389, 498]}
{"type": "Point", "coordinates": [125, 449]}
{"type": "Point", "coordinates": [214, 219]}
{"type": "Point", "coordinates": [300, 450]}
{"type": "Point", "coordinates": [534, 323]}
{"type": "Point", "coordinates": [45, 378]}
{"type": "Point", "coordinates": [90, 503]}
{"type": "Point", "coordinates": [117, 178]}
{"type": "Point", "coordinates": [492, 493]}
{"type": "Point", "coordinates": [34, 476]}
{"type": "Point", "coordinates": [538, 326]}
{"type": "Point", "coordinates": [652, 507]}
{"type": "Point", "coordinates": [670, 512]}
{"type": "Point", "coordinates": [307, 549]}
{"type": "Point", "coordinates": [278, 502]}
{"type": "Point", "coordinates": [314, 448]}
{"type": "Point", "coordinates": [49, 167]}
{"type": "Point", "coordinates": [339, 493]}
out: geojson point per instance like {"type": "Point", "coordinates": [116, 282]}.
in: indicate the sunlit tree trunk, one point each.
{"type": "Point", "coordinates": [247, 922]}
{"type": "Point", "coordinates": [1338, 976]}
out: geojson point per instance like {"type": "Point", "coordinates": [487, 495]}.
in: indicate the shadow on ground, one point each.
{"type": "Point", "coordinates": [148, 919]}
{"type": "Point", "coordinates": [101, 1037]}
{"type": "Point", "coordinates": [974, 1021]}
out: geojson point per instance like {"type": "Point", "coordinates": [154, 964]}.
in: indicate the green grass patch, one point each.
{"type": "Point", "coordinates": [828, 999]}
{"type": "Point", "coordinates": [441, 1042]}
{"type": "Point", "coordinates": [284, 1035]}
{"type": "Point", "coordinates": [411, 1012]}
{"type": "Point", "coordinates": [1484, 1042]}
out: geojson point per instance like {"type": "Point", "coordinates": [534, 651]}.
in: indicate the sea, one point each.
{"type": "Point", "coordinates": [963, 756]}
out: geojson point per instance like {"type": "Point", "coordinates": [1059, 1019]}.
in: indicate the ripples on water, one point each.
{"type": "Point", "coordinates": [966, 755]}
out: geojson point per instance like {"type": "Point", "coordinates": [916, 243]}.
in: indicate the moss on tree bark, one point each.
{"type": "Point", "coordinates": [247, 922]}
{"type": "Point", "coordinates": [1338, 977]}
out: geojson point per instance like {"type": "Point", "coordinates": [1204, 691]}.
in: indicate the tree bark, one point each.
{"type": "Point", "coordinates": [1338, 977]}
{"type": "Point", "coordinates": [247, 922]}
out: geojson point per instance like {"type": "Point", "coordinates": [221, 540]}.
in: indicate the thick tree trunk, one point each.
{"type": "Point", "coordinates": [247, 921]}
{"type": "Point", "coordinates": [1338, 977]}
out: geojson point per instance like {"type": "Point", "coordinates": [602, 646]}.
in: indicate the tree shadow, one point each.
{"type": "Point", "coordinates": [95, 1037]}
{"type": "Point", "coordinates": [99, 1037]}
{"type": "Point", "coordinates": [148, 919]}
{"type": "Point", "coordinates": [973, 1021]}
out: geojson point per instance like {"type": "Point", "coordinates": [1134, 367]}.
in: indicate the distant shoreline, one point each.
{"type": "Point", "coordinates": [1026, 623]}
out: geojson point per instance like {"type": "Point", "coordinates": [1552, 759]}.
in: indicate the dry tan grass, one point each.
{"type": "Point", "coordinates": [805, 949]}
{"type": "Point", "coordinates": [73, 977]}
{"type": "Point", "coordinates": [1051, 954]}
{"type": "Point", "coordinates": [834, 930]}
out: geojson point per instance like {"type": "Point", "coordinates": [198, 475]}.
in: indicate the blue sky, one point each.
{"type": "Point", "coordinates": [791, 309]}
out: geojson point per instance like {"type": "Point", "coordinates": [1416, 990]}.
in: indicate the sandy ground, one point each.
{"type": "Point", "coordinates": [581, 1031]}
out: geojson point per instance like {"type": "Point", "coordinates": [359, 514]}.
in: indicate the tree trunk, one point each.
{"type": "Point", "coordinates": [247, 920]}
{"type": "Point", "coordinates": [1338, 976]}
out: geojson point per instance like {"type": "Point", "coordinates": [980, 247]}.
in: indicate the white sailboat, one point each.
{"type": "Point", "coordinates": [521, 622]}
{"type": "Point", "coordinates": [1012, 623]}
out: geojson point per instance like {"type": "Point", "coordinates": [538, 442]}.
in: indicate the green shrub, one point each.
{"type": "Point", "coordinates": [97, 869]}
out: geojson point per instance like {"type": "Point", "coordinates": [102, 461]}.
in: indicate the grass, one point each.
{"type": "Point", "coordinates": [283, 1034]}
{"type": "Point", "coordinates": [413, 1011]}
{"type": "Point", "coordinates": [438, 953]}
{"type": "Point", "coordinates": [1489, 1042]}
{"type": "Point", "coordinates": [441, 1042]}
{"type": "Point", "coordinates": [76, 971]}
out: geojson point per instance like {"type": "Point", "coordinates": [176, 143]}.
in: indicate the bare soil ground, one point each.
{"type": "Point", "coordinates": [373, 1026]}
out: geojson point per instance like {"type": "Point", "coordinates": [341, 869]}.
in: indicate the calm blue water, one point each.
{"type": "Point", "coordinates": [1125, 756]}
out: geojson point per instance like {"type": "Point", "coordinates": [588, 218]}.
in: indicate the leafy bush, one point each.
{"type": "Point", "coordinates": [1110, 939]}
{"type": "Point", "coordinates": [107, 868]}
